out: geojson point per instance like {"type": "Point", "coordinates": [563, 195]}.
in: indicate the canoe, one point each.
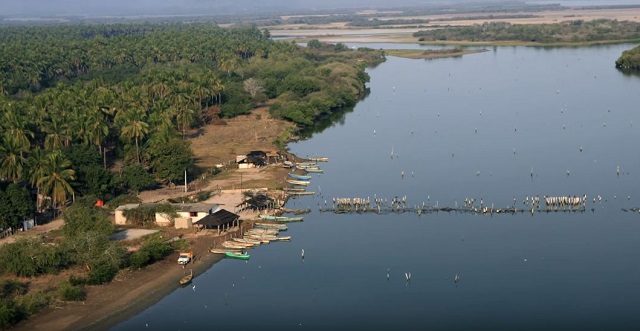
{"type": "Point", "coordinates": [235, 255]}
{"type": "Point", "coordinates": [300, 177]}
{"type": "Point", "coordinates": [314, 170]}
{"type": "Point", "coordinates": [268, 217]}
{"type": "Point", "coordinates": [186, 279]}
{"type": "Point", "coordinates": [298, 182]}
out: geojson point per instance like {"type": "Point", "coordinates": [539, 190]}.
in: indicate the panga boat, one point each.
{"type": "Point", "coordinates": [319, 159]}
{"type": "Point", "coordinates": [315, 170]}
{"type": "Point", "coordinates": [239, 256]}
{"type": "Point", "coordinates": [298, 182]}
{"type": "Point", "coordinates": [289, 219]}
{"type": "Point", "coordinates": [186, 279]}
{"type": "Point", "coordinates": [300, 177]}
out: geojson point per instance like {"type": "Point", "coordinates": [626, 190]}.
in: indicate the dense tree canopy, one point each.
{"type": "Point", "coordinates": [75, 98]}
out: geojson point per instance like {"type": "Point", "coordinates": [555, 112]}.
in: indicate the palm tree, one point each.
{"type": "Point", "coordinates": [134, 127]}
{"type": "Point", "coordinates": [12, 166]}
{"type": "Point", "coordinates": [56, 178]}
{"type": "Point", "coordinates": [37, 162]}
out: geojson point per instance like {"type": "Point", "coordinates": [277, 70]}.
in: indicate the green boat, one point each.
{"type": "Point", "coordinates": [239, 256]}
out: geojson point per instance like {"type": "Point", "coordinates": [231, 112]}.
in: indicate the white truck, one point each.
{"type": "Point", "coordinates": [185, 257]}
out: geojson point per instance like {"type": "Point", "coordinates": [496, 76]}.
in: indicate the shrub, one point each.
{"type": "Point", "coordinates": [152, 250]}
{"type": "Point", "coordinates": [34, 302]}
{"type": "Point", "coordinates": [10, 313]}
{"type": "Point", "coordinates": [102, 273]}
{"type": "Point", "coordinates": [68, 292]}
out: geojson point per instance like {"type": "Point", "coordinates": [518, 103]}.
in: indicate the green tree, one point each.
{"type": "Point", "coordinates": [134, 177]}
{"type": "Point", "coordinates": [172, 159]}
{"type": "Point", "coordinates": [134, 127]}
{"type": "Point", "coordinates": [57, 178]}
{"type": "Point", "coordinates": [13, 163]}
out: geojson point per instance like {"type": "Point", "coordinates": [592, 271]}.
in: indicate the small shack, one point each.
{"type": "Point", "coordinates": [188, 213]}
{"type": "Point", "coordinates": [221, 220]}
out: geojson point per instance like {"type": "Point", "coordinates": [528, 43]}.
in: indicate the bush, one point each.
{"type": "Point", "coordinates": [68, 292]}
{"type": "Point", "coordinates": [34, 302]}
{"type": "Point", "coordinates": [10, 313]}
{"type": "Point", "coordinates": [102, 273]}
{"type": "Point", "coordinates": [152, 250]}
{"type": "Point", "coordinates": [75, 281]}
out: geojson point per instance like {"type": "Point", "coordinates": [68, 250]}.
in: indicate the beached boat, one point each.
{"type": "Point", "coordinates": [301, 193]}
{"type": "Point", "coordinates": [235, 255]}
{"type": "Point", "coordinates": [318, 159]}
{"type": "Point", "coordinates": [186, 279]}
{"type": "Point", "coordinates": [224, 250]}
{"type": "Point", "coordinates": [235, 244]}
{"type": "Point", "coordinates": [284, 238]}
{"type": "Point", "coordinates": [307, 167]}
{"type": "Point", "coordinates": [314, 170]}
{"type": "Point", "coordinates": [276, 226]}
{"type": "Point", "coordinates": [300, 177]}
{"type": "Point", "coordinates": [269, 217]}
{"type": "Point", "coordinates": [271, 232]}
{"type": "Point", "coordinates": [290, 219]}
{"type": "Point", "coordinates": [298, 182]}
{"type": "Point", "coordinates": [306, 164]}
{"type": "Point", "coordinates": [247, 241]}
{"type": "Point", "coordinates": [295, 189]}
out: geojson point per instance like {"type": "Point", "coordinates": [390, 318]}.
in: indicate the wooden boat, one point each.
{"type": "Point", "coordinates": [300, 177]}
{"type": "Point", "coordinates": [314, 170]}
{"type": "Point", "coordinates": [239, 256]}
{"type": "Point", "coordinates": [295, 189]}
{"type": "Point", "coordinates": [298, 182]}
{"type": "Point", "coordinates": [234, 244]}
{"type": "Point", "coordinates": [224, 250]}
{"type": "Point", "coordinates": [261, 232]}
{"type": "Point", "coordinates": [318, 159]}
{"type": "Point", "coordinates": [306, 164]}
{"type": "Point", "coordinates": [276, 226]}
{"type": "Point", "coordinates": [247, 241]}
{"type": "Point", "coordinates": [301, 193]}
{"type": "Point", "coordinates": [269, 217]}
{"type": "Point", "coordinates": [187, 279]}
{"type": "Point", "coordinates": [290, 219]}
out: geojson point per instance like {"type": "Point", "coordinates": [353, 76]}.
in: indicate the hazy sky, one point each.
{"type": "Point", "coordinates": [206, 7]}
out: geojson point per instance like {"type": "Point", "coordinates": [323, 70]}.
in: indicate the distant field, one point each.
{"type": "Point", "coordinates": [340, 32]}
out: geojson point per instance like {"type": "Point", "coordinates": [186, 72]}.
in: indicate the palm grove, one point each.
{"type": "Point", "coordinates": [79, 102]}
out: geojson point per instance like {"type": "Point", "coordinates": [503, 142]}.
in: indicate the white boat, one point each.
{"type": "Point", "coordinates": [314, 170]}
{"type": "Point", "coordinates": [318, 159]}
{"type": "Point", "coordinates": [298, 182]}
{"type": "Point", "coordinates": [284, 238]}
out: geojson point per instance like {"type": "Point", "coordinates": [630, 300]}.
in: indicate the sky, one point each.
{"type": "Point", "coordinates": [178, 7]}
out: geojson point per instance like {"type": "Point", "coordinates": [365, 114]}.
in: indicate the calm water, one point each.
{"type": "Point", "coordinates": [471, 127]}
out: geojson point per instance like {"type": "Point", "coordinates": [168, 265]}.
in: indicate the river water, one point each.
{"type": "Point", "coordinates": [512, 122]}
